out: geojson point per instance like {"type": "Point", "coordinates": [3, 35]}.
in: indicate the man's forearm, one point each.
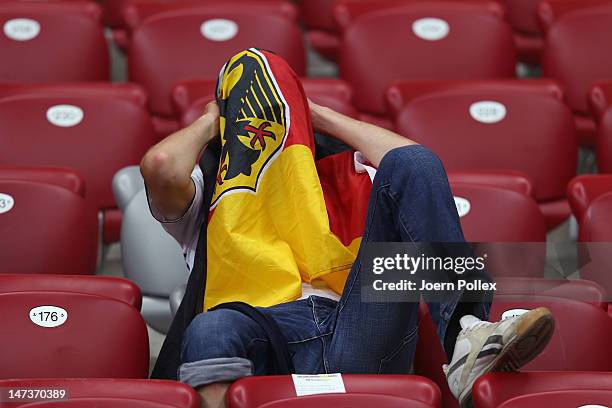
{"type": "Point", "coordinates": [373, 141]}
{"type": "Point", "coordinates": [167, 166]}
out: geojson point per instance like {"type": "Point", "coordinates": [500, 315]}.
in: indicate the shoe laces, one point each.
{"type": "Point", "coordinates": [476, 326]}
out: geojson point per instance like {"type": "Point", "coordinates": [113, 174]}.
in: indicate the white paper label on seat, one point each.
{"type": "Point", "coordinates": [463, 206]}
{"type": "Point", "coordinates": [488, 111]}
{"type": "Point", "coordinates": [513, 313]}
{"type": "Point", "coordinates": [48, 316]}
{"type": "Point", "coordinates": [219, 29]}
{"type": "Point", "coordinates": [318, 384]}
{"type": "Point", "coordinates": [6, 203]}
{"type": "Point", "coordinates": [593, 406]}
{"type": "Point", "coordinates": [21, 29]}
{"type": "Point", "coordinates": [430, 29]}
{"type": "Point", "coordinates": [65, 115]}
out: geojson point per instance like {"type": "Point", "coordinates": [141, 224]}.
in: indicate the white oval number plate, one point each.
{"type": "Point", "coordinates": [513, 313]}
{"type": "Point", "coordinates": [6, 203]}
{"type": "Point", "coordinates": [430, 29]}
{"type": "Point", "coordinates": [48, 316]}
{"type": "Point", "coordinates": [65, 115]}
{"type": "Point", "coordinates": [488, 111]}
{"type": "Point", "coordinates": [219, 29]}
{"type": "Point", "coordinates": [463, 206]}
{"type": "Point", "coordinates": [21, 29]}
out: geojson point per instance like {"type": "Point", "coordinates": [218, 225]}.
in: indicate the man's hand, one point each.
{"type": "Point", "coordinates": [167, 166]}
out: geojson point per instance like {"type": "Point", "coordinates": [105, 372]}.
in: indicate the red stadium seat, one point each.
{"type": "Point", "coordinates": [506, 129]}
{"type": "Point", "coordinates": [95, 129]}
{"type": "Point", "coordinates": [109, 393]}
{"type": "Point", "coordinates": [361, 391]}
{"type": "Point", "coordinates": [527, 390]}
{"type": "Point", "coordinates": [420, 40]}
{"type": "Point", "coordinates": [574, 53]}
{"type": "Point", "coordinates": [190, 97]}
{"type": "Point", "coordinates": [52, 41]}
{"type": "Point", "coordinates": [106, 286]}
{"type": "Point", "coordinates": [208, 34]}
{"type": "Point", "coordinates": [604, 142]}
{"type": "Point", "coordinates": [479, 205]}
{"type": "Point", "coordinates": [46, 223]}
{"type": "Point", "coordinates": [400, 93]}
{"type": "Point", "coordinates": [68, 332]}
{"type": "Point", "coordinates": [510, 180]}
{"type": "Point", "coordinates": [582, 190]}
{"type": "Point", "coordinates": [596, 232]}
{"type": "Point", "coordinates": [569, 348]}
{"type": "Point", "coordinates": [522, 16]}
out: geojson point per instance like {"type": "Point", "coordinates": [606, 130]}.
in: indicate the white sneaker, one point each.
{"type": "Point", "coordinates": [507, 345]}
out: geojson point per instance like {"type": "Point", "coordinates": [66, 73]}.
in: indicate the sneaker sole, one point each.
{"type": "Point", "coordinates": [532, 335]}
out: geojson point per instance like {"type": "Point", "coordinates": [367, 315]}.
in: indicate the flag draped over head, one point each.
{"type": "Point", "coordinates": [273, 223]}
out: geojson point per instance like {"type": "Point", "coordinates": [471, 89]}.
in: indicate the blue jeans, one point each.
{"type": "Point", "coordinates": [410, 201]}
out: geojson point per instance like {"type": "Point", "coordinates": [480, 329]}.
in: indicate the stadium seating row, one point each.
{"type": "Point", "coordinates": [97, 129]}
{"type": "Point", "coordinates": [508, 390]}
{"type": "Point", "coordinates": [444, 41]}
{"type": "Point", "coordinates": [51, 324]}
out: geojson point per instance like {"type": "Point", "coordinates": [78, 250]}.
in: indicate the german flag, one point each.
{"type": "Point", "coordinates": [273, 222]}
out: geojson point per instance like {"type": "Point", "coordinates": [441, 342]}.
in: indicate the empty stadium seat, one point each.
{"type": "Point", "coordinates": [420, 40]}
{"type": "Point", "coordinates": [522, 16]}
{"type": "Point", "coordinates": [52, 41]}
{"type": "Point", "coordinates": [109, 393]}
{"type": "Point", "coordinates": [511, 180]}
{"type": "Point", "coordinates": [582, 190]}
{"type": "Point", "coordinates": [574, 53]}
{"type": "Point", "coordinates": [495, 214]}
{"type": "Point", "coordinates": [190, 97]}
{"type": "Point", "coordinates": [95, 129]}
{"type": "Point", "coordinates": [71, 330]}
{"type": "Point", "coordinates": [596, 234]}
{"type": "Point", "coordinates": [539, 389]}
{"type": "Point", "coordinates": [45, 222]}
{"type": "Point", "coordinates": [489, 127]}
{"type": "Point", "coordinates": [570, 347]}
{"type": "Point", "coordinates": [361, 391]}
{"type": "Point", "coordinates": [208, 34]}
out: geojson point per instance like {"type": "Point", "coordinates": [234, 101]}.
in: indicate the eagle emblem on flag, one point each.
{"type": "Point", "coordinates": [254, 123]}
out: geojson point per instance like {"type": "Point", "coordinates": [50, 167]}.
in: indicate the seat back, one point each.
{"type": "Point", "coordinates": [111, 287]}
{"type": "Point", "coordinates": [583, 190]}
{"type": "Point", "coordinates": [94, 131]}
{"type": "Point", "coordinates": [574, 53]}
{"type": "Point", "coordinates": [401, 93]}
{"type": "Point", "coordinates": [209, 35]}
{"type": "Point", "coordinates": [498, 129]}
{"type": "Point", "coordinates": [422, 40]}
{"type": "Point", "coordinates": [46, 224]}
{"type": "Point", "coordinates": [361, 391]}
{"type": "Point", "coordinates": [58, 333]}
{"type": "Point", "coordinates": [119, 393]}
{"type": "Point", "coordinates": [52, 41]}
{"type": "Point", "coordinates": [493, 214]}
{"type": "Point", "coordinates": [558, 388]}
{"type": "Point", "coordinates": [600, 98]}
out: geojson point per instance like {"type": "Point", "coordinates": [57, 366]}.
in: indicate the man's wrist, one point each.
{"type": "Point", "coordinates": [206, 126]}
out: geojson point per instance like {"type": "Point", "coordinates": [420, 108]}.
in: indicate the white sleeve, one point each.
{"type": "Point", "coordinates": [186, 229]}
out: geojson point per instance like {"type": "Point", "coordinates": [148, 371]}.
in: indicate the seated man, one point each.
{"type": "Point", "coordinates": [276, 235]}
